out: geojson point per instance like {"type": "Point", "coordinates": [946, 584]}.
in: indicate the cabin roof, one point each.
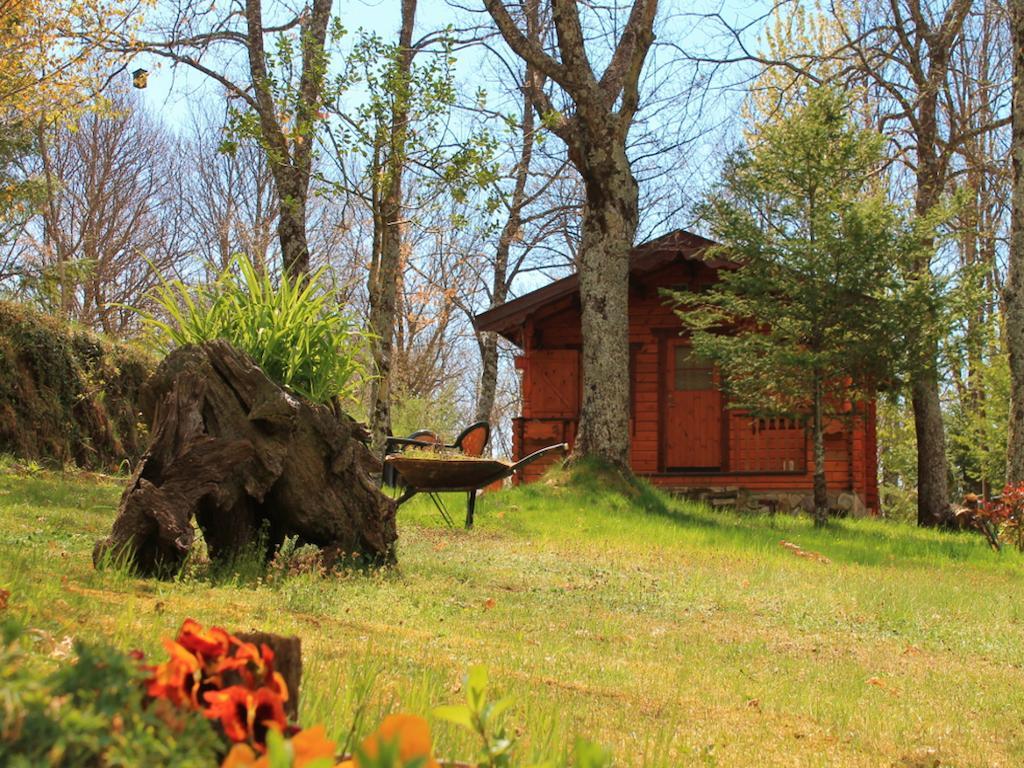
{"type": "Point", "coordinates": [680, 245]}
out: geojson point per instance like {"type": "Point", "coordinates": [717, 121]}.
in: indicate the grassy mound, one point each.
{"type": "Point", "coordinates": [67, 395]}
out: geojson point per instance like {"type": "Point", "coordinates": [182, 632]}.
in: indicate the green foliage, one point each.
{"type": "Point", "coordinates": [438, 411]}
{"type": "Point", "coordinates": [90, 713]}
{"type": "Point", "coordinates": [20, 194]}
{"type": "Point", "coordinates": [45, 285]}
{"type": "Point", "coordinates": [897, 458]}
{"type": "Point", "coordinates": [290, 327]}
{"type": "Point", "coordinates": [425, 92]}
{"type": "Point", "coordinates": [977, 418]}
{"type": "Point", "coordinates": [298, 117]}
{"type": "Point", "coordinates": [483, 718]}
{"type": "Point", "coordinates": [978, 423]}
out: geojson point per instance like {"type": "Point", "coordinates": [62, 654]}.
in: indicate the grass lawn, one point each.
{"type": "Point", "coordinates": [671, 634]}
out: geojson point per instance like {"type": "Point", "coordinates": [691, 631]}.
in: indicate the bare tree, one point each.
{"type": "Point", "coordinates": [1013, 291]}
{"type": "Point", "coordinates": [907, 49]}
{"type": "Point", "coordinates": [230, 196]}
{"type": "Point", "coordinates": [512, 229]}
{"type": "Point", "coordinates": [977, 94]}
{"type": "Point", "coordinates": [385, 271]}
{"type": "Point", "coordinates": [111, 218]}
{"type": "Point", "coordinates": [593, 118]}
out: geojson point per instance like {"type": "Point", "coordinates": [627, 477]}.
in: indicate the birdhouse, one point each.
{"type": "Point", "coordinates": [139, 78]}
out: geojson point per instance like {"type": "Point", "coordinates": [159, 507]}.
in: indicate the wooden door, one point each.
{"type": "Point", "coordinates": [693, 404]}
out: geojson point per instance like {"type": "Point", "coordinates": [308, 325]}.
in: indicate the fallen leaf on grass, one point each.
{"type": "Point", "coordinates": [799, 551]}
{"type": "Point", "coordinates": [4, 596]}
{"type": "Point", "coordinates": [882, 685]}
{"type": "Point", "coordinates": [489, 603]}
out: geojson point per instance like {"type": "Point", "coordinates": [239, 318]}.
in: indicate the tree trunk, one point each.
{"type": "Point", "coordinates": [609, 226]}
{"type": "Point", "coordinates": [383, 300]}
{"type": "Point", "coordinates": [384, 285]}
{"type": "Point", "coordinates": [289, 148]}
{"type": "Point", "coordinates": [509, 233]}
{"type": "Point", "coordinates": [820, 483]}
{"type": "Point", "coordinates": [595, 131]}
{"type": "Point", "coordinates": [932, 465]}
{"type": "Point", "coordinates": [243, 457]}
{"type": "Point", "coordinates": [291, 221]}
{"type": "Point", "coordinates": [488, 376]}
{"type": "Point", "coordinates": [1013, 291]}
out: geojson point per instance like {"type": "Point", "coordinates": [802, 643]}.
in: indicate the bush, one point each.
{"type": "Point", "coordinates": [1006, 513]}
{"type": "Point", "coordinates": [291, 329]}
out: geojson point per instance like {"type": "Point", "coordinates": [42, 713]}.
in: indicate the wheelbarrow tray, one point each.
{"type": "Point", "coordinates": [440, 474]}
{"type": "Point", "coordinates": [466, 473]}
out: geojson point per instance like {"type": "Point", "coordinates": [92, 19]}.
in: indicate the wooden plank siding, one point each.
{"type": "Point", "coordinates": [757, 454]}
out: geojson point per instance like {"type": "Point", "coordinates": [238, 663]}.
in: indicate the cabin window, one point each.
{"type": "Point", "coordinates": [693, 373]}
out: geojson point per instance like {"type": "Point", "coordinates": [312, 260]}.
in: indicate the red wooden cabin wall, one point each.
{"type": "Point", "coordinates": [758, 454]}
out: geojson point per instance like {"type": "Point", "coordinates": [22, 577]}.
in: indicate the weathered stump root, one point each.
{"type": "Point", "coordinates": [242, 456]}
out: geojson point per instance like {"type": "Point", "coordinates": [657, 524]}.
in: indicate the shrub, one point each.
{"type": "Point", "coordinates": [1007, 514]}
{"type": "Point", "coordinates": [290, 328]}
{"type": "Point", "coordinates": [92, 713]}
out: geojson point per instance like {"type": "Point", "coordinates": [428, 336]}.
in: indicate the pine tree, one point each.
{"type": "Point", "coordinates": [814, 317]}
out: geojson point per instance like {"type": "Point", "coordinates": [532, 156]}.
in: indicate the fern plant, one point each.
{"type": "Point", "coordinates": [289, 327]}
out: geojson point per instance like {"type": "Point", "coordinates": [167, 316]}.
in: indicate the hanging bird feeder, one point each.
{"type": "Point", "coordinates": [139, 78]}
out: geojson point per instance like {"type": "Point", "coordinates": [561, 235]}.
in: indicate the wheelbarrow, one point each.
{"type": "Point", "coordinates": [459, 473]}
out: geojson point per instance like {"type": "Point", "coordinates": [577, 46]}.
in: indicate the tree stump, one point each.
{"type": "Point", "coordinates": [244, 458]}
{"type": "Point", "coordinates": [287, 660]}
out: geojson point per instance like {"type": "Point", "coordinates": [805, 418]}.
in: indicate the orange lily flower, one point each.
{"type": "Point", "coordinates": [178, 679]}
{"type": "Point", "coordinates": [410, 732]}
{"type": "Point", "coordinates": [209, 643]}
{"type": "Point", "coordinates": [246, 715]}
{"type": "Point", "coordinates": [307, 746]}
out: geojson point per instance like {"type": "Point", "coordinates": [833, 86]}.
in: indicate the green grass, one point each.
{"type": "Point", "coordinates": [669, 633]}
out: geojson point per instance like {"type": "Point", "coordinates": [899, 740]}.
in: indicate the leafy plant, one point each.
{"type": "Point", "coordinates": [1007, 514]}
{"type": "Point", "coordinates": [483, 717]}
{"type": "Point", "coordinates": [289, 327]}
{"type": "Point", "coordinates": [480, 716]}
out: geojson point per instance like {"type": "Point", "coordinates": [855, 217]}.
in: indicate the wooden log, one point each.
{"type": "Point", "coordinates": [240, 455]}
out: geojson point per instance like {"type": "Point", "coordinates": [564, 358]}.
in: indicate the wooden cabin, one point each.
{"type": "Point", "coordinates": [683, 433]}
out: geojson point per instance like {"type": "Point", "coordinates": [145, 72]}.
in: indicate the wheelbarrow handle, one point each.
{"type": "Point", "coordinates": [395, 441]}
{"type": "Point", "coordinates": [563, 447]}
